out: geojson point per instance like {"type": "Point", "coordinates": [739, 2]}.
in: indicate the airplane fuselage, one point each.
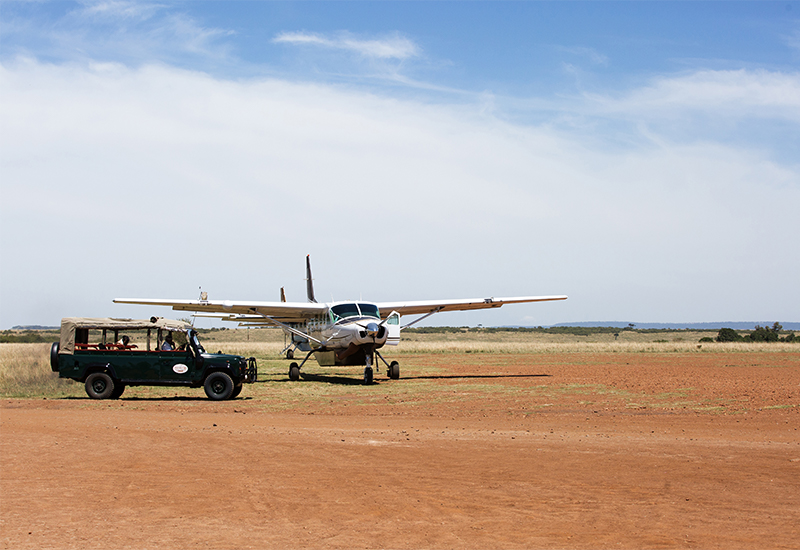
{"type": "Point", "coordinates": [352, 330]}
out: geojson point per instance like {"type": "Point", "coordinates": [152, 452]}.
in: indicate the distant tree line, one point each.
{"type": "Point", "coordinates": [760, 334]}
{"type": "Point", "coordinates": [576, 331]}
{"type": "Point", "coordinates": [24, 337]}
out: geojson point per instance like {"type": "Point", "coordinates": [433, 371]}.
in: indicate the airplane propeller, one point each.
{"type": "Point", "coordinates": [375, 330]}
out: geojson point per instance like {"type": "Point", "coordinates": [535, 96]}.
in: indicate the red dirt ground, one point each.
{"type": "Point", "coordinates": [500, 451]}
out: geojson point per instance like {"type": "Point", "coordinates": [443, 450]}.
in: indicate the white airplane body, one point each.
{"type": "Point", "coordinates": [337, 333]}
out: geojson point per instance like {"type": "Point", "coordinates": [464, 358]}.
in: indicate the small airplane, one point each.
{"type": "Point", "coordinates": [336, 333]}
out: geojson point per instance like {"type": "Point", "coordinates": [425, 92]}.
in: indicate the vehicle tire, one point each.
{"type": "Point", "coordinates": [218, 386]}
{"type": "Point", "coordinates": [119, 389]}
{"type": "Point", "coordinates": [368, 376]}
{"type": "Point", "coordinates": [237, 389]}
{"type": "Point", "coordinates": [294, 372]}
{"type": "Point", "coordinates": [99, 385]}
{"type": "Point", "coordinates": [54, 356]}
{"type": "Point", "coordinates": [290, 354]}
{"type": "Point", "coordinates": [394, 370]}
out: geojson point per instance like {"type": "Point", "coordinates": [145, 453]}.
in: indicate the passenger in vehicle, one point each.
{"type": "Point", "coordinates": [124, 341]}
{"type": "Point", "coordinates": [168, 344]}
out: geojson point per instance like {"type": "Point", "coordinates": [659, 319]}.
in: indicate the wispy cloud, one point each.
{"type": "Point", "coordinates": [759, 108]}
{"type": "Point", "coordinates": [118, 31]}
{"type": "Point", "coordinates": [793, 40]}
{"type": "Point", "coordinates": [740, 91]}
{"type": "Point", "coordinates": [389, 47]}
{"type": "Point", "coordinates": [591, 54]}
{"type": "Point", "coordinates": [118, 10]}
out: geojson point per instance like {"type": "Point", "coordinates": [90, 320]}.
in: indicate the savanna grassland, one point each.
{"type": "Point", "coordinates": [490, 439]}
{"type": "Point", "coordinates": [25, 368]}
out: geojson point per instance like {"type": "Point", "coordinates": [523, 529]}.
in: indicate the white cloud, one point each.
{"type": "Point", "coordinates": [162, 180]}
{"type": "Point", "coordinates": [740, 93]}
{"type": "Point", "coordinates": [390, 47]}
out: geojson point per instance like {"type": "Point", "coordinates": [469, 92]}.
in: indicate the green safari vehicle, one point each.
{"type": "Point", "coordinates": [154, 352]}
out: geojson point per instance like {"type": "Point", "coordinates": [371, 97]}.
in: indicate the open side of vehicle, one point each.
{"type": "Point", "coordinates": [154, 352]}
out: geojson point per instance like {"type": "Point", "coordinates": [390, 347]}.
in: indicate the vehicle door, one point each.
{"type": "Point", "coordinates": [135, 365]}
{"type": "Point", "coordinates": [176, 365]}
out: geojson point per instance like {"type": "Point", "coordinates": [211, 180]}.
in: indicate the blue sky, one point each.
{"type": "Point", "coordinates": [640, 157]}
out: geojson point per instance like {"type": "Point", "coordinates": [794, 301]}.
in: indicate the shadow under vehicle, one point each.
{"type": "Point", "coordinates": [134, 357]}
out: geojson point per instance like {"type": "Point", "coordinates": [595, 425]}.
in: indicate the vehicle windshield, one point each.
{"type": "Point", "coordinates": [196, 343]}
{"type": "Point", "coordinates": [342, 311]}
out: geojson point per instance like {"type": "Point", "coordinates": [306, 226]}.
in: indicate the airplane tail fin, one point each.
{"type": "Point", "coordinates": [309, 281]}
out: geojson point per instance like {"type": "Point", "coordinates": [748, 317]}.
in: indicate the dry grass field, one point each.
{"type": "Point", "coordinates": [25, 369]}
{"type": "Point", "coordinates": [493, 440]}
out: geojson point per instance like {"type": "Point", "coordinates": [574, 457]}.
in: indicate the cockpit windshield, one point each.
{"type": "Point", "coordinates": [342, 311]}
{"type": "Point", "coordinates": [369, 310]}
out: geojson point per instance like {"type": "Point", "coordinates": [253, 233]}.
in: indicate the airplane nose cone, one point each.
{"type": "Point", "coordinates": [372, 329]}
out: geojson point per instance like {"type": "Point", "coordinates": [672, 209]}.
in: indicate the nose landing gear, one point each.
{"type": "Point", "coordinates": [368, 370]}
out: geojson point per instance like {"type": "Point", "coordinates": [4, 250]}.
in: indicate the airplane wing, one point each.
{"type": "Point", "coordinates": [285, 312]}
{"type": "Point", "coordinates": [298, 312]}
{"type": "Point", "coordinates": [435, 306]}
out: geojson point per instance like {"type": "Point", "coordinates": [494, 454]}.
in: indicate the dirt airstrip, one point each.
{"type": "Point", "coordinates": [580, 450]}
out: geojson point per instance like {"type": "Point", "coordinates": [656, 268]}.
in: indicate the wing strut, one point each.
{"type": "Point", "coordinates": [286, 327]}
{"type": "Point", "coordinates": [415, 321]}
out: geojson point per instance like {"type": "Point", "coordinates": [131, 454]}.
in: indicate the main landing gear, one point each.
{"type": "Point", "coordinates": [393, 372]}
{"type": "Point", "coordinates": [294, 368]}
{"type": "Point", "coordinates": [392, 369]}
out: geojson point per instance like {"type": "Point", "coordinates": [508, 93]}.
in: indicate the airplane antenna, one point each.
{"type": "Point", "coordinates": [309, 281]}
{"type": "Point", "coordinates": [283, 295]}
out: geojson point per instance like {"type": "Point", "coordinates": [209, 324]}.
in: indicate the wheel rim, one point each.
{"type": "Point", "coordinates": [99, 385]}
{"type": "Point", "coordinates": [218, 386]}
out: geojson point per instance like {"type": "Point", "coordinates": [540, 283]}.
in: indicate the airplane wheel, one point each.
{"type": "Point", "coordinates": [368, 375]}
{"type": "Point", "coordinates": [394, 370]}
{"type": "Point", "coordinates": [290, 354]}
{"type": "Point", "coordinates": [294, 372]}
